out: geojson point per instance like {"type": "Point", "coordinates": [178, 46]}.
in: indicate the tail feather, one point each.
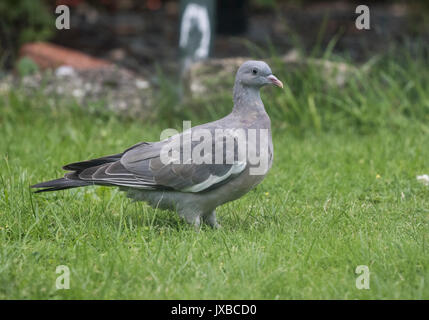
{"type": "Point", "coordinates": [59, 184]}
{"type": "Point", "coordinates": [71, 179]}
{"type": "Point", "coordinates": [80, 166]}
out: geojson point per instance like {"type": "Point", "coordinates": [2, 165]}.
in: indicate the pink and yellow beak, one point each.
{"type": "Point", "coordinates": [273, 79]}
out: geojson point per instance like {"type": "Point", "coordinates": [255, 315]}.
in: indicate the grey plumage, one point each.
{"type": "Point", "coordinates": [194, 190]}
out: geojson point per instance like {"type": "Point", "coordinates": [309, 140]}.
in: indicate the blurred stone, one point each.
{"type": "Point", "coordinates": [128, 24]}
{"type": "Point", "coordinates": [5, 84]}
{"type": "Point", "coordinates": [335, 73]}
{"type": "Point", "coordinates": [291, 56]}
{"type": "Point", "coordinates": [203, 76]}
{"type": "Point", "coordinates": [219, 73]}
{"type": "Point", "coordinates": [117, 54]}
{"type": "Point", "coordinates": [142, 84]}
{"type": "Point", "coordinates": [120, 90]}
{"type": "Point", "coordinates": [64, 71]}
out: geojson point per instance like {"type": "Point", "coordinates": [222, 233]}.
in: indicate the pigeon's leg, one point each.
{"type": "Point", "coordinates": [197, 223]}
{"type": "Point", "coordinates": [193, 219]}
{"type": "Point", "coordinates": [210, 219]}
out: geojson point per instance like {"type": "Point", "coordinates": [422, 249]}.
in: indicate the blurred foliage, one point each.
{"type": "Point", "coordinates": [23, 21]}
{"type": "Point", "coordinates": [26, 66]}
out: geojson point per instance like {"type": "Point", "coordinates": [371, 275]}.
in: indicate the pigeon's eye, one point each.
{"type": "Point", "coordinates": [254, 71]}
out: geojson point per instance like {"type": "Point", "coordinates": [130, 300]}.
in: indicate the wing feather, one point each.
{"type": "Point", "coordinates": [144, 162]}
{"type": "Point", "coordinates": [141, 167]}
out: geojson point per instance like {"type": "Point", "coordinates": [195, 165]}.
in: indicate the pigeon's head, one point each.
{"type": "Point", "coordinates": [256, 74]}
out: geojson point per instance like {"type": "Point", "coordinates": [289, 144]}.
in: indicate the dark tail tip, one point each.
{"type": "Point", "coordinates": [58, 184]}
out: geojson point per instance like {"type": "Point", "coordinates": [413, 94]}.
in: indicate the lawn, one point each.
{"type": "Point", "coordinates": [342, 193]}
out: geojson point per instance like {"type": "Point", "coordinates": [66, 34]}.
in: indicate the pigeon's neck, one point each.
{"type": "Point", "coordinates": [247, 99]}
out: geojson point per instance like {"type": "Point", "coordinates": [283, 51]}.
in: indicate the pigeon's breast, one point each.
{"type": "Point", "coordinates": [252, 175]}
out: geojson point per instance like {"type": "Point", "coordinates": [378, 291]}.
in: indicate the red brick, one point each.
{"type": "Point", "coordinates": [47, 55]}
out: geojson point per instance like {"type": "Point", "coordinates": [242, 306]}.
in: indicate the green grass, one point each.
{"type": "Point", "coordinates": [342, 192]}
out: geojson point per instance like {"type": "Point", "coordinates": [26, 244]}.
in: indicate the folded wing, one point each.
{"type": "Point", "coordinates": [141, 167]}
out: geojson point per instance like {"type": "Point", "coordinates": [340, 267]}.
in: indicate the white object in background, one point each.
{"type": "Point", "coordinates": [64, 71]}
{"type": "Point", "coordinates": [424, 179]}
{"type": "Point", "coordinates": [142, 84]}
{"type": "Point", "coordinates": [198, 15]}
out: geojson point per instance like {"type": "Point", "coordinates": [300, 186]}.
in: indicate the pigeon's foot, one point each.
{"type": "Point", "coordinates": [210, 219]}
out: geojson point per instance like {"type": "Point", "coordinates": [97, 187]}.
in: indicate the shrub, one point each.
{"type": "Point", "coordinates": [22, 21]}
